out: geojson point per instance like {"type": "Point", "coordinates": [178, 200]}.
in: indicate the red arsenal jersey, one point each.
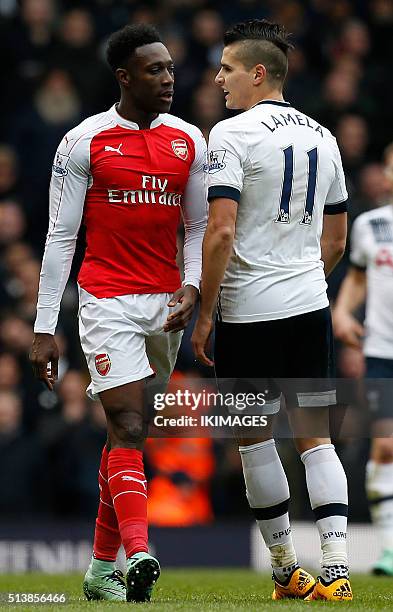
{"type": "Point", "coordinates": [129, 187]}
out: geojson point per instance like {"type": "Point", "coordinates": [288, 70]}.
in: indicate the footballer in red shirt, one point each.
{"type": "Point", "coordinates": [129, 175]}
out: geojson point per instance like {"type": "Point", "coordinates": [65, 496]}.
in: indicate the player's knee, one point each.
{"type": "Point", "coordinates": [304, 444]}
{"type": "Point", "coordinates": [126, 427]}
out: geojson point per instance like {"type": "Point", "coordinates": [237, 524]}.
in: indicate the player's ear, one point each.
{"type": "Point", "coordinates": [123, 77]}
{"type": "Point", "coordinates": [259, 74]}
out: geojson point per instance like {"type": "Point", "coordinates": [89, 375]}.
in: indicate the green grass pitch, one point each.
{"type": "Point", "coordinates": [197, 591]}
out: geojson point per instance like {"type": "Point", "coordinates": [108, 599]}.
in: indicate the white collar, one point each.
{"type": "Point", "coordinates": [131, 125]}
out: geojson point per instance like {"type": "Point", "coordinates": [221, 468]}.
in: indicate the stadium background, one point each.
{"type": "Point", "coordinates": [52, 75]}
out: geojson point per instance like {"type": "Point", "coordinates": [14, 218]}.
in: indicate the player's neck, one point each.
{"type": "Point", "coordinates": [275, 94]}
{"type": "Point", "coordinates": [129, 112]}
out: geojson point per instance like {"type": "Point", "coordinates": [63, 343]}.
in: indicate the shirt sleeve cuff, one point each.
{"type": "Point", "coordinates": [335, 209]}
{"type": "Point", "coordinates": [223, 191]}
{"type": "Point", "coordinates": [357, 266]}
{"type": "Point", "coordinates": [193, 282]}
{"type": "Point", "coordinates": [46, 321]}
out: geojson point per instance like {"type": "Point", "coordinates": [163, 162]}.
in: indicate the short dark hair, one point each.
{"type": "Point", "coordinates": [122, 44]}
{"type": "Point", "coordinates": [264, 42]}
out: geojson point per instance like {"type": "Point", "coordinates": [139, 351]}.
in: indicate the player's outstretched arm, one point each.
{"type": "Point", "coordinates": [351, 295]}
{"type": "Point", "coordinates": [217, 248]}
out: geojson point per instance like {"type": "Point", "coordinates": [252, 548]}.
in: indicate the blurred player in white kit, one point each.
{"type": "Point", "coordinates": [370, 280]}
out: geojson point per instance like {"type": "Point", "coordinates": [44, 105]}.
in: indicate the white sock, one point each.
{"type": "Point", "coordinates": [327, 489]}
{"type": "Point", "coordinates": [268, 495]}
{"type": "Point", "coordinates": [379, 487]}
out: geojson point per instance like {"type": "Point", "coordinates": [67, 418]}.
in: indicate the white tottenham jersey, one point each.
{"type": "Point", "coordinates": [372, 249]}
{"type": "Point", "coordinates": [285, 171]}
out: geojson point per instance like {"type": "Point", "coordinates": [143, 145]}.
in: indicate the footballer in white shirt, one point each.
{"type": "Point", "coordinates": [276, 229]}
{"type": "Point", "coordinates": [370, 280]}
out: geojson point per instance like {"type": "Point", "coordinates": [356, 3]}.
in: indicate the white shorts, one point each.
{"type": "Point", "coordinates": [123, 339]}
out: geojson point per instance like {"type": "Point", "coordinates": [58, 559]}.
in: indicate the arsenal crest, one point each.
{"type": "Point", "coordinates": [180, 148]}
{"type": "Point", "coordinates": [103, 364]}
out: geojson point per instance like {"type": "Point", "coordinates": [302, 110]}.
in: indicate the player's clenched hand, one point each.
{"type": "Point", "coordinates": [200, 339]}
{"type": "Point", "coordinates": [43, 352]}
{"type": "Point", "coordinates": [348, 329]}
{"type": "Point", "coordinates": [179, 319]}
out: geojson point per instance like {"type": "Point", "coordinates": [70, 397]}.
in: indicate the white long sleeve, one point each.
{"type": "Point", "coordinates": [195, 215]}
{"type": "Point", "coordinates": [66, 200]}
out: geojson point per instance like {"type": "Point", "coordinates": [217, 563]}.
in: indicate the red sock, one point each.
{"type": "Point", "coordinates": [127, 484]}
{"type": "Point", "coordinates": [107, 538]}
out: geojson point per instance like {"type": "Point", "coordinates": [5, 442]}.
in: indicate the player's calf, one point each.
{"type": "Point", "coordinates": [327, 489]}
{"type": "Point", "coordinates": [128, 486]}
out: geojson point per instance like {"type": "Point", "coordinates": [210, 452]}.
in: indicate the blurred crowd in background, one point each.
{"type": "Point", "coordinates": [53, 75]}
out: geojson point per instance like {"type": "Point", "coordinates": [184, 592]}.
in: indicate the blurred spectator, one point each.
{"type": "Point", "coordinates": [207, 103]}
{"type": "Point", "coordinates": [16, 335]}
{"type": "Point", "coordinates": [75, 454]}
{"type": "Point", "coordinates": [352, 137]}
{"type": "Point", "coordinates": [72, 394]}
{"type": "Point", "coordinates": [16, 255]}
{"type": "Point", "coordinates": [55, 109]}
{"type": "Point", "coordinates": [9, 179]}
{"type": "Point", "coordinates": [354, 40]}
{"type": "Point", "coordinates": [381, 27]}
{"type": "Point", "coordinates": [373, 189]}
{"type": "Point", "coordinates": [339, 97]}
{"type": "Point", "coordinates": [68, 409]}
{"type": "Point", "coordinates": [291, 15]}
{"type": "Point", "coordinates": [301, 81]}
{"type": "Point", "coordinates": [185, 79]}
{"type": "Point", "coordinates": [77, 56]}
{"type": "Point", "coordinates": [26, 46]}
{"type": "Point", "coordinates": [205, 44]}
{"type": "Point", "coordinates": [12, 223]}
{"type": "Point", "coordinates": [12, 228]}
{"type": "Point", "coordinates": [10, 374]}
{"type": "Point", "coordinates": [21, 461]}
{"type": "Point", "coordinates": [28, 278]}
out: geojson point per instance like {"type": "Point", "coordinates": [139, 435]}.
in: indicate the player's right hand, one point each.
{"type": "Point", "coordinates": [348, 329]}
{"type": "Point", "coordinates": [44, 358]}
{"type": "Point", "coordinates": [200, 340]}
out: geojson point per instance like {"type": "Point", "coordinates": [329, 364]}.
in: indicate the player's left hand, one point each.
{"type": "Point", "coordinates": [187, 298]}
{"type": "Point", "coordinates": [200, 340]}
